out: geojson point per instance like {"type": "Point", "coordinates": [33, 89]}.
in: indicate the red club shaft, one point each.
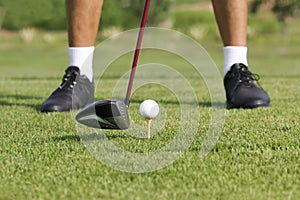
{"type": "Point", "coordinates": [137, 51]}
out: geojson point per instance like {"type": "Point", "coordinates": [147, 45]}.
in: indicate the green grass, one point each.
{"type": "Point", "coordinates": [42, 156]}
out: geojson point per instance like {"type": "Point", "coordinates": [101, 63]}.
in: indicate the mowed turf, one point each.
{"type": "Point", "coordinates": [42, 156]}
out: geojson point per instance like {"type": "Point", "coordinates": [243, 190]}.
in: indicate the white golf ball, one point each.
{"type": "Point", "coordinates": [149, 109]}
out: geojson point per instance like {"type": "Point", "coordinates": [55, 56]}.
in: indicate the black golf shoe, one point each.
{"type": "Point", "coordinates": [241, 91]}
{"type": "Point", "coordinates": [75, 92]}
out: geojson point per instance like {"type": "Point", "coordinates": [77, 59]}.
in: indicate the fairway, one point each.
{"type": "Point", "coordinates": [43, 157]}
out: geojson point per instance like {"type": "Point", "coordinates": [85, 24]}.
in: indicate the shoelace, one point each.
{"type": "Point", "coordinates": [69, 79]}
{"type": "Point", "coordinates": [245, 76]}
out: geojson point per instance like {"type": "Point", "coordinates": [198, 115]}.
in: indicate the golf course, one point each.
{"type": "Point", "coordinates": [255, 154]}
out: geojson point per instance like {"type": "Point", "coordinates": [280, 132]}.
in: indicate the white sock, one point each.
{"type": "Point", "coordinates": [233, 55]}
{"type": "Point", "coordinates": [82, 57]}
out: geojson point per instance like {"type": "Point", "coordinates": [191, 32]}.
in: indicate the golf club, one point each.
{"type": "Point", "coordinates": [113, 114]}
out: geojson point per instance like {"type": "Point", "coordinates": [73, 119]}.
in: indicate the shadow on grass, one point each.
{"type": "Point", "coordinates": [66, 138]}
{"type": "Point", "coordinates": [90, 137]}
{"type": "Point", "coordinates": [206, 104]}
{"type": "Point", "coordinates": [16, 98]}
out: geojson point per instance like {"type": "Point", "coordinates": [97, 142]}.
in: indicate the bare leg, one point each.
{"type": "Point", "coordinates": [241, 91]}
{"type": "Point", "coordinates": [231, 16]}
{"type": "Point", "coordinates": [83, 21]}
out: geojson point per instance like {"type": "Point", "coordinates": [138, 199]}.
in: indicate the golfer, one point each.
{"type": "Point", "coordinates": [83, 20]}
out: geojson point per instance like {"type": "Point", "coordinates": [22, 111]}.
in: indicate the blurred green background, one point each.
{"type": "Point", "coordinates": [37, 28]}
{"type": "Point", "coordinates": [266, 16]}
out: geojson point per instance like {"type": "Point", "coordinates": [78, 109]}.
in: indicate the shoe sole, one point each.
{"type": "Point", "coordinates": [253, 105]}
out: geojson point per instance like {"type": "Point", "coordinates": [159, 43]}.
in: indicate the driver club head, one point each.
{"type": "Point", "coordinates": [106, 114]}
